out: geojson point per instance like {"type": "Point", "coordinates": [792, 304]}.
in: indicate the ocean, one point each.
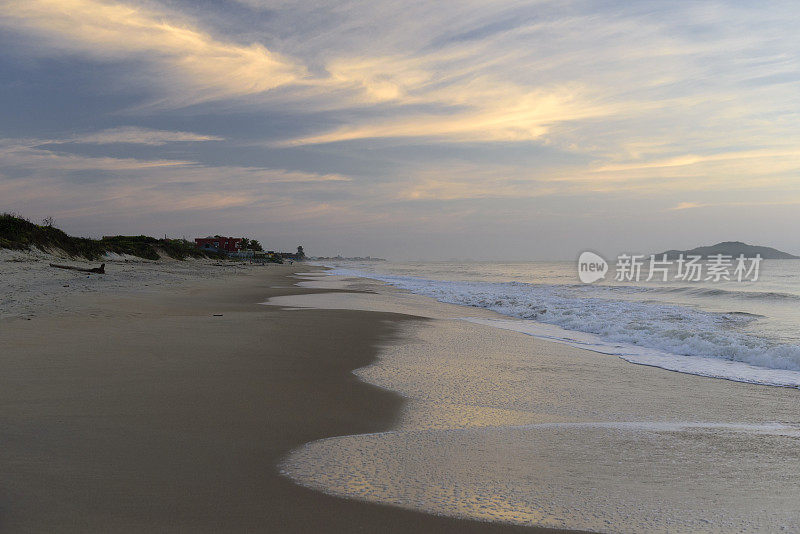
{"type": "Point", "coordinates": [747, 331]}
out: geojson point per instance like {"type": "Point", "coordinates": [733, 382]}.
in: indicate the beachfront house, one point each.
{"type": "Point", "coordinates": [219, 244]}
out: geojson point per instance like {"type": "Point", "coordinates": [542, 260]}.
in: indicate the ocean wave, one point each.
{"type": "Point", "coordinates": [691, 291]}
{"type": "Point", "coordinates": [673, 329]}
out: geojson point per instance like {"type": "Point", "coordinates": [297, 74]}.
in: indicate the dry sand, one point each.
{"type": "Point", "coordinates": [29, 287]}
{"type": "Point", "coordinates": [160, 397]}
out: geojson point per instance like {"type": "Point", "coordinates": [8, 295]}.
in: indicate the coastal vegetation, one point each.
{"type": "Point", "coordinates": [18, 233]}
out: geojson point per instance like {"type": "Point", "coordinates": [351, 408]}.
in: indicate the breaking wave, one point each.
{"type": "Point", "coordinates": [653, 333]}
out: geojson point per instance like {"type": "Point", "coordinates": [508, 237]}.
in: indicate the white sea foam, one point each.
{"type": "Point", "coordinates": [678, 338]}
{"type": "Point", "coordinates": [696, 365]}
{"type": "Point", "coordinates": [620, 476]}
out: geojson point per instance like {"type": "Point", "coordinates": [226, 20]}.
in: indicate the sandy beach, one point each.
{"type": "Point", "coordinates": [399, 267]}
{"type": "Point", "coordinates": [166, 407]}
{"type": "Point", "coordinates": [212, 396]}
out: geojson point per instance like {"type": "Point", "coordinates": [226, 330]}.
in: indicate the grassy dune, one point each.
{"type": "Point", "coordinates": [18, 233]}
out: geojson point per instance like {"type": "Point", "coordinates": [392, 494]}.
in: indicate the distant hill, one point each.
{"type": "Point", "coordinates": [732, 248]}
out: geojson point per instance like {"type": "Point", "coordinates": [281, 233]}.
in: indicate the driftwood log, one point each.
{"type": "Point", "coordinates": [96, 270]}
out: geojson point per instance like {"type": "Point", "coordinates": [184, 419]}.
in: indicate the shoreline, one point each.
{"type": "Point", "coordinates": [144, 411]}
{"type": "Point", "coordinates": [536, 432]}
{"type": "Point", "coordinates": [730, 332]}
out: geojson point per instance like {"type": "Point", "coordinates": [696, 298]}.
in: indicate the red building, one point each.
{"type": "Point", "coordinates": [219, 243]}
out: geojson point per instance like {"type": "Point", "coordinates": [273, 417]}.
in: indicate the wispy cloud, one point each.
{"type": "Point", "coordinates": [27, 155]}
{"type": "Point", "coordinates": [145, 186]}
{"type": "Point", "coordinates": [138, 136]}
{"type": "Point", "coordinates": [511, 115]}
{"type": "Point", "coordinates": [687, 206]}
{"type": "Point", "coordinates": [735, 204]}
{"type": "Point", "coordinates": [189, 63]}
{"type": "Point", "coordinates": [508, 72]}
{"type": "Point", "coordinates": [698, 159]}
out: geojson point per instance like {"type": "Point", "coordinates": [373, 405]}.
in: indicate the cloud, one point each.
{"type": "Point", "coordinates": [136, 135]}
{"type": "Point", "coordinates": [735, 204]}
{"type": "Point", "coordinates": [190, 65]}
{"type": "Point", "coordinates": [697, 159]}
{"type": "Point", "coordinates": [27, 155]}
{"type": "Point", "coordinates": [688, 205]}
{"type": "Point", "coordinates": [510, 116]}
{"type": "Point", "coordinates": [354, 112]}
{"type": "Point", "coordinates": [506, 72]}
{"type": "Point", "coordinates": [144, 186]}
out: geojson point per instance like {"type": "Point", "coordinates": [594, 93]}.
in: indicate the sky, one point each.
{"type": "Point", "coordinates": [408, 130]}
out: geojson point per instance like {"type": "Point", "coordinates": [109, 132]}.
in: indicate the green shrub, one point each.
{"type": "Point", "coordinates": [18, 233]}
{"type": "Point", "coordinates": [21, 234]}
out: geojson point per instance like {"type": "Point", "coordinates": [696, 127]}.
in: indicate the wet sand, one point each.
{"type": "Point", "coordinates": [145, 412]}
{"type": "Point", "coordinates": [499, 425]}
